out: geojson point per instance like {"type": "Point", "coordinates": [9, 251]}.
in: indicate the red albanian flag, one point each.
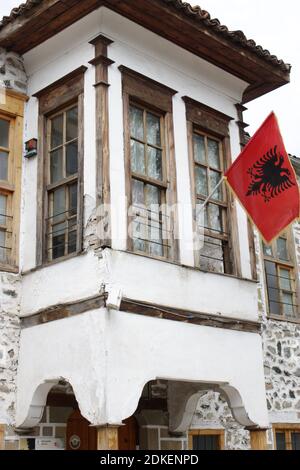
{"type": "Point", "coordinates": [265, 182]}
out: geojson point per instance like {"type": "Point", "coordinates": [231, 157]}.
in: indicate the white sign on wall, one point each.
{"type": "Point", "coordinates": [49, 444]}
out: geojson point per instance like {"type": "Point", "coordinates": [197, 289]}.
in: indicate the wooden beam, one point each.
{"type": "Point", "coordinates": [258, 439]}
{"type": "Point", "coordinates": [107, 437]}
{"type": "Point", "coordinates": [59, 312]}
{"type": "Point", "coordinates": [101, 63]}
{"type": "Point", "coordinates": [196, 318]}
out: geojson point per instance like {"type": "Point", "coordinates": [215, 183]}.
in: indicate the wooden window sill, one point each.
{"type": "Point", "coordinates": [283, 319]}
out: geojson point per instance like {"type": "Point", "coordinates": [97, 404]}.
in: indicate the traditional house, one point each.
{"type": "Point", "coordinates": [129, 316]}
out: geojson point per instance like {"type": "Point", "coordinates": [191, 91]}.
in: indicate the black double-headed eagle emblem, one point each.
{"type": "Point", "coordinates": [269, 178]}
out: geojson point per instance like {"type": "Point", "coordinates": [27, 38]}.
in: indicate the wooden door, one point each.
{"type": "Point", "coordinates": [80, 435]}
{"type": "Point", "coordinates": [128, 434]}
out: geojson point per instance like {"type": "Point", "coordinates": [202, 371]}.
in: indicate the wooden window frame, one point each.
{"type": "Point", "coordinates": [211, 123]}
{"type": "Point", "coordinates": [57, 97]}
{"type": "Point", "coordinates": [287, 429]}
{"type": "Point", "coordinates": [150, 95]}
{"type": "Point", "coordinates": [220, 433]}
{"type": "Point", "coordinates": [12, 110]}
{"type": "Point", "coordinates": [290, 265]}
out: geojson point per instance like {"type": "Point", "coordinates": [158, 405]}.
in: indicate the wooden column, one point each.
{"type": "Point", "coordinates": [258, 439]}
{"type": "Point", "coordinates": [107, 437]}
{"type": "Point", "coordinates": [2, 434]}
{"type": "Point", "coordinates": [101, 63]}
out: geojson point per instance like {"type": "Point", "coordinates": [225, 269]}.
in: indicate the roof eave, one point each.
{"type": "Point", "coordinates": [167, 18]}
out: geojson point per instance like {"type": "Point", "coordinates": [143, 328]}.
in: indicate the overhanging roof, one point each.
{"type": "Point", "coordinates": [189, 27]}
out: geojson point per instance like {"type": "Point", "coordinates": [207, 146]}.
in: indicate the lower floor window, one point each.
{"type": "Point", "coordinates": [206, 440]}
{"type": "Point", "coordinates": [287, 438]}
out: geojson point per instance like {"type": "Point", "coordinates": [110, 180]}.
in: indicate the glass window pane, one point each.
{"type": "Point", "coordinates": [2, 246]}
{"type": "Point", "coordinates": [59, 205]}
{"type": "Point", "coordinates": [56, 165]}
{"type": "Point", "coordinates": [267, 250]}
{"type": "Point", "coordinates": [138, 198]}
{"type": "Point", "coordinates": [152, 196]}
{"type": "Point", "coordinates": [280, 441]}
{"type": "Point", "coordinates": [213, 154]}
{"type": "Point", "coordinates": [138, 157]}
{"type": "Point", "coordinates": [282, 251]}
{"type": "Point", "coordinates": [72, 200]}
{"type": "Point", "coordinates": [3, 165]}
{"type": "Point", "coordinates": [199, 149]}
{"type": "Point", "coordinates": [287, 304]}
{"type": "Point", "coordinates": [72, 236]}
{"type": "Point", "coordinates": [57, 131]}
{"type": "Point", "coordinates": [215, 178]}
{"type": "Point", "coordinates": [154, 163]}
{"type": "Point", "coordinates": [72, 158]}
{"type": "Point", "coordinates": [273, 288]}
{"type": "Point", "coordinates": [3, 208]}
{"type": "Point", "coordinates": [153, 129]}
{"type": "Point", "coordinates": [201, 180]}
{"type": "Point", "coordinates": [136, 123]}
{"type": "Point", "coordinates": [58, 240]}
{"type": "Point", "coordinates": [4, 133]}
{"type": "Point", "coordinates": [203, 442]}
{"type": "Point", "coordinates": [295, 440]}
{"type": "Point", "coordinates": [72, 124]}
{"type": "Point", "coordinates": [215, 217]}
{"type": "Point", "coordinates": [285, 279]}
{"type": "Point", "coordinates": [212, 255]}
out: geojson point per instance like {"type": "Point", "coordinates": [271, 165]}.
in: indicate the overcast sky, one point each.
{"type": "Point", "coordinates": [274, 25]}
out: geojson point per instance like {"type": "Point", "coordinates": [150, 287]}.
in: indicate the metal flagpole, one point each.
{"type": "Point", "coordinates": [213, 192]}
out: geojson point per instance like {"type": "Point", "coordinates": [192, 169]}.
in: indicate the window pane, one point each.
{"type": "Point", "coordinates": [205, 442]}
{"type": "Point", "coordinates": [59, 205]}
{"type": "Point", "coordinates": [58, 240]}
{"type": "Point", "coordinates": [138, 157]}
{"type": "Point", "coordinates": [72, 124]}
{"type": "Point", "coordinates": [136, 123]}
{"type": "Point", "coordinates": [4, 133]}
{"type": "Point", "coordinates": [273, 288]}
{"type": "Point", "coordinates": [3, 166]}
{"type": "Point", "coordinates": [153, 129]}
{"type": "Point", "coordinates": [212, 255]}
{"type": "Point", "coordinates": [213, 154]}
{"type": "Point", "coordinates": [215, 217]}
{"type": "Point", "coordinates": [282, 251]}
{"type": "Point", "coordinates": [2, 246]}
{"type": "Point", "coordinates": [284, 280]}
{"type": "Point", "coordinates": [280, 441]}
{"type": "Point", "coordinates": [199, 149]}
{"type": "Point", "coordinates": [72, 159]}
{"type": "Point", "coordinates": [138, 193]}
{"type": "Point", "coordinates": [56, 165]}
{"type": "Point", "coordinates": [295, 440]}
{"type": "Point", "coordinates": [287, 304]}
{"type": "Point", "coordinates": [3, 208]}
{"type": "Point", "coordinates": [154, 163]}
{"type": "Point", "coordinates": [72, 200]}
{"type": "Point", "coordinates": [215, 178]}
{"type": "Point", "coordinates": [72, 237]}
{"type": "Point", "coordinates": [267, 250]}
{"type": "Point", "coordinates": [153, 201]}
{"type": "Point", "coordinates": [201, 180]}
{"type": "Point", "coordinates": [57, 131]}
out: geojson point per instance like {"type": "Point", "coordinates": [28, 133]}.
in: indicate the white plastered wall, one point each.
{"type": "Point", "coordinates": [109, 356]}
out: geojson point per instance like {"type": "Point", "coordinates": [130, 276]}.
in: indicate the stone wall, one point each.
{"type": "Point", "coordinates": [12, 71]}
{"type": "Point", "coordinates": [281, 346]}
{"type": "Point", "coordinates": [9, 344]}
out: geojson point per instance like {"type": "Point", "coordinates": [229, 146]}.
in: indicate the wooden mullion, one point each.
{"type": "Point", "coordinates": [68, 180]}
{"type": "Point", "coordinates": [151, 181]}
